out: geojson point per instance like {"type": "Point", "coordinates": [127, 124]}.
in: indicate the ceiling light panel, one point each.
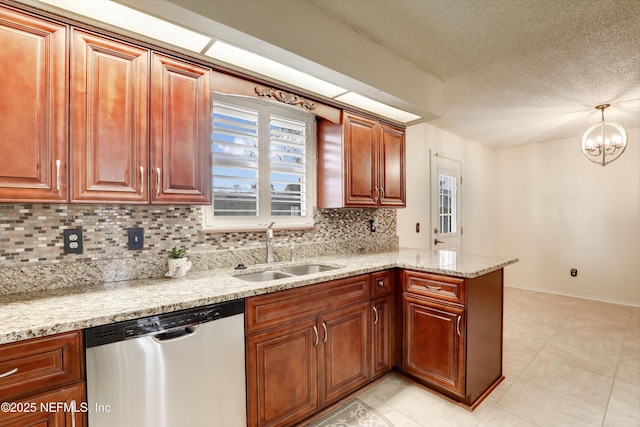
{"type": "Point", "coordinates": [137, 22]}
{"type": "Point", "coordinates": [376, 107]}
{"type": "Point", "coordinates": [267, 67]}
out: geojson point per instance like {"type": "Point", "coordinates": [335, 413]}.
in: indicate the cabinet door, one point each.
{"type": "Point", "coordinates": [180, 132]}
{"type": "Point", "coordinates": [62, 408]}
{"type": "Point", "coordinates": [33, 109]}
{"type": "Point", "coordinates": [344, 352]}
{"type": "Point", "coordinates": [391, 167]}
{"type": "Point", "coordinates": [109, 120]}
{"type": "Point", "coordinates": [434, 344]}
{"type": "Point", "coordinates": [381, 336]}
{"type": "Point", "coordinates": [361, 158]}
{"type": "Point", "coordinates": [282, 374]}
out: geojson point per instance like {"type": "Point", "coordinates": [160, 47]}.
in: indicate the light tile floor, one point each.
{"type": "Point", "coordinates": [567, 362]}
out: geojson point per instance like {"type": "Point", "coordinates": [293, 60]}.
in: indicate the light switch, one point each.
{"type": "Point", "coordinates": [136, 238]}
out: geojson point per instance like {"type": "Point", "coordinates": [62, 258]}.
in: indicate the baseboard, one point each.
{"type": "Point", "coordinates": [546, 291]}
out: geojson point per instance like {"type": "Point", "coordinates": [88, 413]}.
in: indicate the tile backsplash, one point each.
{"type": "Point", "coordinates": [32, 255]}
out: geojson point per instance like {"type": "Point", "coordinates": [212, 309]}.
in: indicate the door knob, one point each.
{"type": "Point", "coordinates": [436, 241]}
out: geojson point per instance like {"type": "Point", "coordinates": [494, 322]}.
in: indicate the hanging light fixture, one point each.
{"type": "Point", "coordinates": [604, 142]}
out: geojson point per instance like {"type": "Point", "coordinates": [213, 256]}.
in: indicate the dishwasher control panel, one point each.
{"type": "Point", "coordinates": [128, 329]}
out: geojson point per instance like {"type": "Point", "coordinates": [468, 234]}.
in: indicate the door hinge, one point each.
{"type": "Point", "coordinates": [461, 180]}
{"type": "Point", "coordinates": [461, 231]}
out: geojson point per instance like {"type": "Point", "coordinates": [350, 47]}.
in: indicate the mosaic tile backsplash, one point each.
{"type": "Point", "coordinates": [32, 256]}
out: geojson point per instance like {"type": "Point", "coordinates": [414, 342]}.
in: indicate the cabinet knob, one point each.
{"type": "Point", "coordinates": [381, 283]}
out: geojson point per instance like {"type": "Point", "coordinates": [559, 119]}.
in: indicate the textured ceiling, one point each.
{"type": "Point", "coordinates": [514, 71]}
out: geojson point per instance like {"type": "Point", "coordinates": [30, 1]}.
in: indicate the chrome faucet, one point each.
{"type": "Point", "coordinates": [270, 242]}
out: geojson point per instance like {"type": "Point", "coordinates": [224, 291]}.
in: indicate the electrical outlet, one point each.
{"type": "Point", "coordinates": [136, 238]}
{"type": "Point", "coordinates": [72, 241]}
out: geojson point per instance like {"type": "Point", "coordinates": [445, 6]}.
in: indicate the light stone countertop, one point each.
{"type": "Point", "coordinates": [30, 315]}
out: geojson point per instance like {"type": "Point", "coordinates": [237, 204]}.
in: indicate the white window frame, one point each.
{"type": "Point", "coordinates": [249, 223]}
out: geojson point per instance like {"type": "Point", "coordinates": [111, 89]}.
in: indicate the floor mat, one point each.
{"type": "Point", "coordinates": [353, 413]}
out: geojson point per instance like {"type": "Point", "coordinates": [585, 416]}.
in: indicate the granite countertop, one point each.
{"type": "Point", "coordinates": [29, 315]}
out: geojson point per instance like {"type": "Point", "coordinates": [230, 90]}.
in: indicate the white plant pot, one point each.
{"type": "Point", "coordinates": [178, 267]}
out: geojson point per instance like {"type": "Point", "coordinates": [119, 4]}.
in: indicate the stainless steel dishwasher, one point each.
{"type": "Point", "coordinates": [181, 369]}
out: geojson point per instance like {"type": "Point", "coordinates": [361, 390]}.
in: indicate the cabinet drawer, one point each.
{"type": "Point", "coordinates": [278, 308]}
{"type": "Point", "coordinates": [433, 285]}
{"type": "Point", "coordinates": [381, 283]}
{"type": "Point", "coordinates": [27, 367]}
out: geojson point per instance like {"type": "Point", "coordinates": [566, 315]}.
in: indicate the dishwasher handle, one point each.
{"type": "Point", "coordinates": [175, 334]}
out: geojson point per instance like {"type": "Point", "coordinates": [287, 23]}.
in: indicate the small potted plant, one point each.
{"type": "Point", "coordinates": [178, 264]}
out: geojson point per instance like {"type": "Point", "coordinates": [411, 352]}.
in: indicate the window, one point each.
{"type": "Point", "coordinates": [448, 204]}
{"type": "Point", "coordinates": [262, 164]}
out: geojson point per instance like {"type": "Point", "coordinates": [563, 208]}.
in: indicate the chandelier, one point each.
{"type": "Point", "coordinates": [604, 142]}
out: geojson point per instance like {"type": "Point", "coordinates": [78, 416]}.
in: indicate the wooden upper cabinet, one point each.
{"type": "Point", "coordinates": [180, 132]}
{"type": "Point", "coordinates": [391, 166]}
{"type": "Point", "coordinates": [361, 163]}
{"type": "Point", "coordinates": [109, 120]}
{"type": "Point", "coordinates": [33, 109]}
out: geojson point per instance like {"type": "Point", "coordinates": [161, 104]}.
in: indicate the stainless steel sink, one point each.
{"type": "Point", "coordinates": [263, 276]}
{"type": "Point", "coordinates": [301, 270]}
{"type": "Point", "coordinates": [298, 270]}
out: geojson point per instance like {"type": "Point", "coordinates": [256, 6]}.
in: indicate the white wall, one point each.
{"type": "Point", "coordinates": [477, 191]}
{"type": "Point", "coordinates": [558, 211]}
{"type": "Point", "coordinates": [543, 203]}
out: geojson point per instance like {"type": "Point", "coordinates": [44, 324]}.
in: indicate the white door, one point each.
{"type": "Point", "coordinates": [446, 182]}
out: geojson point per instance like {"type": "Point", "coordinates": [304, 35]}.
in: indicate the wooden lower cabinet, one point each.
{"type": "Point", "coordinates": [282, 374]}
{"type": "Point", "coordinates": [344, 352]}
{"type": "Point", "coordinates": [381, 336]}
{"type": "Point", "coordinates": [309, 347]}
{"type": "Point", "coordinates": [294, 371]}
{"type": "Point", "coordinates": [452, 333]}
{"type": "Point", "coordinates": [42, 382]}
{"type": "Point", "coordinates": [62, 407]}
{"type": "Point", "coordinates": [434, 344]}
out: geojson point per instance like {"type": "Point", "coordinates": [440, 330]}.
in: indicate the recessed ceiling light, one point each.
{"type": "Point", "coordinates": [267, 67]}
{"type": "Point", "coordinates": [384, 110]}
{"type": "Point", "coordinates": [132, 20]}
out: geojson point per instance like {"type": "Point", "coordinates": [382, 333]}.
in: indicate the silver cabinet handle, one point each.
{"type": "Point", "coordinates": [11, 372]}
{"type": "Point", "coordinates": [375, 311]}
{"type": "Point", "coordinates": [381, 193]}
{"type": "Point", "coordinates": [326, 335]}
{"type": "Point", "coordinates": [141, 179]}
{"type": "Point", "coordinates": [157, 182]}
{"type": "Point", "coordinates": [73, 414]}
{"type": "Point", "coordinates": [377, 196]}
{"type": "Point", "coordinates": [58, 182]}
{"type": "Point", "coordinates": [434, 288]}
{"type": "Point", "coordinates": [315, 331]}
{"type": "Point", "coordinates": [458, 325]}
